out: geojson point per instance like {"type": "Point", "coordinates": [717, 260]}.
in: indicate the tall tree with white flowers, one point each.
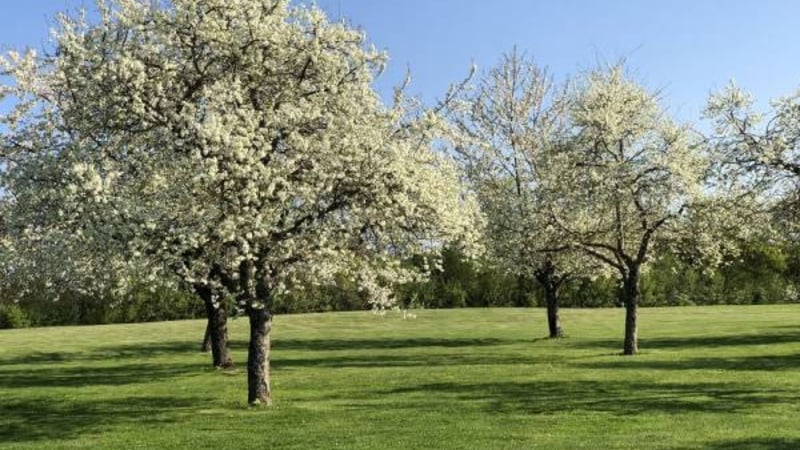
{"type": "Point", "coordinates": [238, 143]}
{"type": "Point", "coordinates": [507, 126]}
{"type": "Point", "coordinates": [758, 154]}
{"type": "Point", "coordinates": [629, 181]}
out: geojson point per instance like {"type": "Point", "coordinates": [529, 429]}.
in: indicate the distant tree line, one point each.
{"type": "Point", "coordinates": [762, 274]}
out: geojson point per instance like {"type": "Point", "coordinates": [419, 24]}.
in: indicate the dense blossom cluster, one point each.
{"type": "Point", "coordinates": [758, 154]}
{"type": "Point", "coordinates": [231, 145]}
{"type": "Point", "coordinates": [210, 136]}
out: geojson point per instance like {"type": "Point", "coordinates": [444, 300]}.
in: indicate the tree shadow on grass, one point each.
{"type": "Point", "coordinates": [384, 344]}
{"type": "Point", "coordinates": [47, 368]}
{"type": "Point", "coordinates": [699, 341]}
{"type": "Point", "coordinates": [133, 364]}
{"type": "Point", "coordinates": [754, 444]}
{"type": "Point", "coordinates": [615, 397]}
{"type": "Point", "coordinates": [32, 420]}
{"type": "Point", "coordinates": [106, 353]}
{"type": "Point", "coordinates": [379, 360]}
{"type": "Point", "coordinates": [392, 353]}
{"type": "Point", "coordinates": [126, 364]}
{"type": "Point", "coordinates": [35, 414]}
{"type": "Point", "coordinates": [745, 363]}
{"type": "Point", "coordinates": [56, 376]}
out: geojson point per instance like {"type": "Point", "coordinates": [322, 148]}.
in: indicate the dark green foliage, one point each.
{"type": "Point", "coordinates": [144, 304]}
{"type": "Point", "coordinates": [763, 274]}
{"type": "Point", "coordinates": [463, 283]}
{"type": "Point", "coordinates": [341, 296]}
{"type": "Point", "coordinates": [12, 316]}
{"type": "Point", "coordinates": [155, 304]}
{"type": "Point", "coordinates": [585, 293]}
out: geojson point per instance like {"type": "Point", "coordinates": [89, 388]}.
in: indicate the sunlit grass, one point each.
{"type": "Point", "coordinates": [716, 377]}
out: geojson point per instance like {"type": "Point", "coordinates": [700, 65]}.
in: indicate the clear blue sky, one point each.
{"type": "Point", "coordinates": [687, 48]}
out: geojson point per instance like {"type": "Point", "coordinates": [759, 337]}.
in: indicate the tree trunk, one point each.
{"type": "Point", "coordinates": [521, 299]}
{"type": "Point", "coordinates": [551, 299]}
{"type": "Point", "coordinates": [216, 329]}
{"type": "Point", "coordinates": [631, 295]}
{"type": "Point", "coordinates": [206, 347]}
{"type": "Point", "coordinates": [551, 282]}
{"type": "Point", "coordinates": [258, 389]}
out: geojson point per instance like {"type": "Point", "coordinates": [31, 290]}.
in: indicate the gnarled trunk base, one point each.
{"type": "Point", "coordinates": [551, 297]}
{"type": "Point", "coordinates": [206, 346]}
{"type": "Point", "coordinates": [631, 295]}
{"type": "Point", "coordinates": [216, 330]}
{"type": "Point", "coordinates": [258, 388]}
{"type": "Point", "coordinates": [631, 345]}
{"type": "Point", "coordinates": [551, 281]}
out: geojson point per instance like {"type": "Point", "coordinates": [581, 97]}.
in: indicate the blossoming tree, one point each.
{"type": "Point", "coordinates": [507, 127]}
{"type": "Point", "coordinates": [758, 154]}
{"type": "Point", "coordinates": [629, 182]}
{"type": "Point", "coordinates": [238, 143]}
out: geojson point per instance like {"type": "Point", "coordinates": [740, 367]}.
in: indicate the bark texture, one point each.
{"type": "Point", "coordinates": [258, 387]}
{"type": "Point", "coordinates": [551, 281]}
{"type": "Point", "coordinates": [216, 329]}
{"type": "Point", "coordinates": [631, 296]}
{"type": "Point", "coordinates": [551, 298]}
{"type": "Point", "coordinates": [206, 346]}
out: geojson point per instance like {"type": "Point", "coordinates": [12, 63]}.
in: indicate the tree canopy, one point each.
{"type": "Point", "coordinates": [235, 145]}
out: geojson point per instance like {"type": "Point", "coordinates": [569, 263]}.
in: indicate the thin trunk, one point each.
{"type": "Point", "coordinates": [522, 291]}
{"type": "Point", "coordinates": [206, 347]}
{"type": "Point", "coordinates": [258, 389]}
{"type": "Point", "coordinates": [551, 299]}
{"type": "Point", "coordinates": [216, 329]}
{"type": "Point", "coordinates": [548, 278]}
{"type": "Point", "coordinates": [631, 295]}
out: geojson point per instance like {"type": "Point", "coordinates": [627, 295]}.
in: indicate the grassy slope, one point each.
{"type": "Point", "coordinates": [717, 377]}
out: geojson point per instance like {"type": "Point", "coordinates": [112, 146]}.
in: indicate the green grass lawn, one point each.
{"type": "Point", "coordinates": [711, 377]}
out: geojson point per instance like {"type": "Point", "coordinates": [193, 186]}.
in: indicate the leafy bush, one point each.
{"type": "Point", "coordinates": [146, 303]}
{"type": "Point", "coordinates": [12, 316]}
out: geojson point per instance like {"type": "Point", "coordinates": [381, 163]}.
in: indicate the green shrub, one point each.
{"type": "Point", "coordinates": [12, 316]}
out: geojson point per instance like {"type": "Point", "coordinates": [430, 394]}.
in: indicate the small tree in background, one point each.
{"type": "Point", "coordinates": [758, 158]}
{"type": "Point", "coordinates": [507, 128]}
{"type": "Point", "coordinates": [627, 178]}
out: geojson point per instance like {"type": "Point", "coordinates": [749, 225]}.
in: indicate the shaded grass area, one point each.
{"type": "Point", "coordinates": [712, 377]}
